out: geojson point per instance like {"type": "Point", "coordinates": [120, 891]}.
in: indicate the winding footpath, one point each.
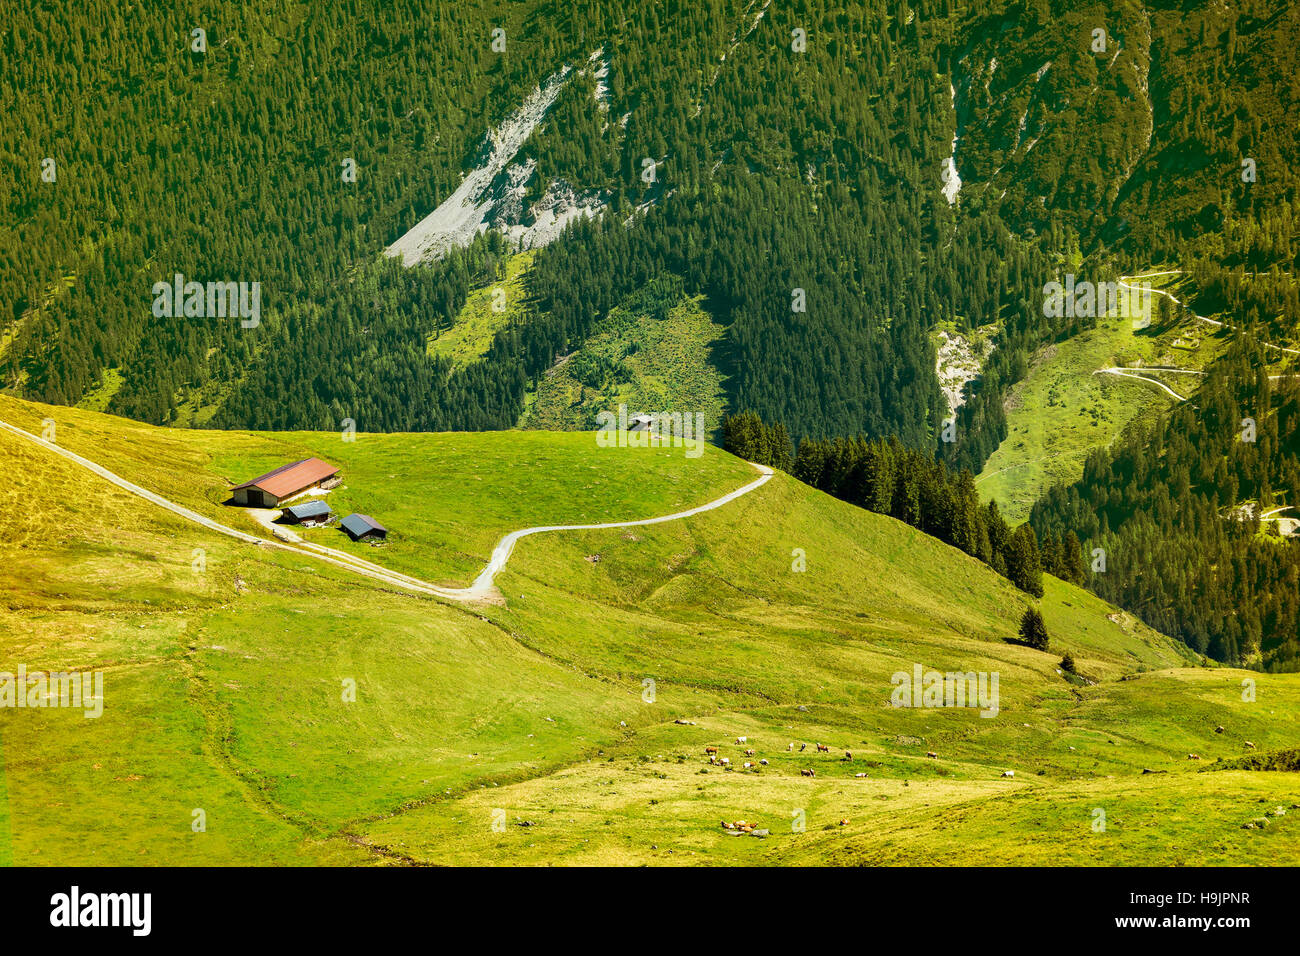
{"type": "Point", "coordinates": [1126, 373]}
{"type": "Point", "coordinates": [501, 553]}
{"type": "Point", "coordinates": [1124, 281]}
{"type": "Point", "coordinates": [483, 589]}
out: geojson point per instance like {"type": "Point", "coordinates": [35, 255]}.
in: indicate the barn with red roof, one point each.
{"type": "Point", "coordinates": [267, 491]}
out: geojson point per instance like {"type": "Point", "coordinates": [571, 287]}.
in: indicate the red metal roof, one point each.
{"type": "Point", "coordinates": [288, 479]}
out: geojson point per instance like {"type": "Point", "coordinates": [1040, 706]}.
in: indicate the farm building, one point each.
{"type": "Point", "coordinates": [310, 512]}
{"type": "Point", "coordinates": [363, 528]}
{"type": "Point", "coordinates": [640, 423]}
{"type": "Point", "coordinates": [267, 491]}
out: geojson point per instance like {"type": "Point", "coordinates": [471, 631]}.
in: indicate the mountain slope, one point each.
{"type": "Point", "coordinates": [224, 680]}
{"type": "Point", "coordinates": [791, 164]}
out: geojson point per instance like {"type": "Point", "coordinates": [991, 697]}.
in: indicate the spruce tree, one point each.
{"type": "Point", "coordinates": [1032, 629]}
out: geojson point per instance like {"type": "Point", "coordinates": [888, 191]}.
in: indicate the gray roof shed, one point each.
{"type": "Point", "coordinates": [359, 526]}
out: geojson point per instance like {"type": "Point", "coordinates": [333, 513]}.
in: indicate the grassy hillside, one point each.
{"type": "Point", "coordinates": [224, 679]}
{"type": "Point", "coordinates": [1065, 406]}
{"type": "Point", "coordinates": [487, 310]}
{"type": "Point", "coordinates": [446, 498]}
{"type": "Point", "coordinates": [651, 357]}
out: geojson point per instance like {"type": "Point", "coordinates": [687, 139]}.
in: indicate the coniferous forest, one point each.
{"type": "Point", "coordinates": [889, 479]}
{"type": "Point", "coordinates": [1173, 513]}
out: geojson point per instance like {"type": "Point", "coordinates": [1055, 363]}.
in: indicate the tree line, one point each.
{"type": "Point", "coordinates": [888, 478]}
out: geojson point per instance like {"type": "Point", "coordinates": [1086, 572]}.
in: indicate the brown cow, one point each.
{"type": "Point", "coordinates": [749, 753]}
{"type": "Point", "coordinates": [710, 750]}
{"type": "Point", "coordinates": [823, 749]}
{"type": "Point", "coordinates": [807, 773]}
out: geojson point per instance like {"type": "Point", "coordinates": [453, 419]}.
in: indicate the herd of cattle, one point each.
{"type": "Point", "coordinates": [717, 760]}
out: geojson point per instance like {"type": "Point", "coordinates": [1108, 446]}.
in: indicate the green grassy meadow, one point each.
{"type": "Point", "coordinates": [1062, 410]}
{"type": "Point", "coordinates": [446, 498]}
{"type": "Point", "coordinates": [317, 717]}
{"type": "Point", "coordinates": [470, 336]}
{"type": "Point", "coordinates": [656, 365]}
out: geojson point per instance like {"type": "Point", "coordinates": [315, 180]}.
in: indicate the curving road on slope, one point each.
{"type": "Point", "coordinates": [501, 553]}
{"type": "Point", "coordinates": [1126, 373]}
{"type": "Point", "coordinates": [1124, 281]}
{"type": "Point", "coordinates": [483, 589]}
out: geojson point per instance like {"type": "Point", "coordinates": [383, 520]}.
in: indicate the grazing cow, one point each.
{"type": "Point", "coordinates": [1193, 756]}
{"type": "Point", "coordinates": [1249, 745]}
{"type": "Point", "coordinates": [742, 740]}
{"type": "Point", "coordinates": [749, 753]}
{"type": "Point", "coordinates": [844, 822]}
{"type": "Point", "coordinates": [803, 747]}
{"type": "Point", "coordinates": [710, 750]}
{"type": "Point", "coordinates": [848, 755]}
{"type": "Point", "coordinates": [807, 773]}
{"type": "Point", "coordinates": [823, 749]}
{"type": "Point", "coordinates": [1219, 729]}
{"type": "Point", "coordinates": [763, 761]}
{"type": "Point", "coordinates": [859, 775]}
{"type": "Point", "coordinates": [931, 753]}
{"type": "Point", "coordinates": [725, 761]}
{"type": "Point", "coordinates": [1008, 773]}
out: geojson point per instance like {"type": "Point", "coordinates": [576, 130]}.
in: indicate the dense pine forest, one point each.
{"type": "Point", "coordinates": [796, 155]}
{"type": "Point", "coordinates": [781, 165]}
{"type": "Point", "coordinates": [797, 151]}
{"type": "Point", "coordinates": [1175, 515]}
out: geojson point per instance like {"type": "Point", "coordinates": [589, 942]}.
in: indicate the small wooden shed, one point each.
{"type": "Point", "coordinates": [361, 527]}
{"type": "Point", "coordinates": [309, 512]}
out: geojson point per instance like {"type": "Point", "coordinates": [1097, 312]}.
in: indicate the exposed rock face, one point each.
{"type": "Point", "coordinates": [492, 195]}
{"type": "Point", "coordinates": [548, 216]}
{"type": "Point", "coordinates": [958, 361]}
{"type": "Point", "coordinates": [951, 178]}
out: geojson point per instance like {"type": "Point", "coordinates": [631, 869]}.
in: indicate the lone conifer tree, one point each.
{"type": "Point", "coordinates": [1032, 629]}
